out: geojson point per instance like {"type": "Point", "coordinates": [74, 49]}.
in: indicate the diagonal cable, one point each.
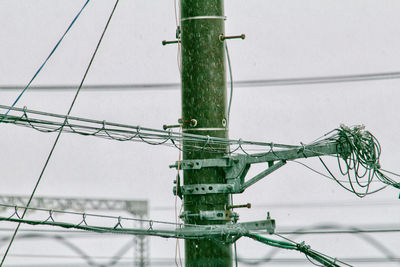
{"type": "Point", "coordinates": [48, 57]}
{"type": "Point", "coordinates": [59, 133]}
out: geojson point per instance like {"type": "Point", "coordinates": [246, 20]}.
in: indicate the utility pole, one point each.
{"type": "Point", "coordinates": [204, 113]}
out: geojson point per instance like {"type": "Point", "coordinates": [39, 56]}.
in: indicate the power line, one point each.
{"type": "Point", "coordinates": [231, 234]}
{"type": "Point", "coordinates": [355, 231]}
{"type": "Point", "coordinates": [238, 84]}
{"type": "Point", "coordinates": [366, 237]}
{"type": "Point", "coordinates": [354, 145]}
{"type": "Point", "coordinates": [307, 205]}
{"type": "Point", "coordinates": [301, 247]}
{"type": "Point", "coordinates": [83, 215]}
{"type": "Point", "coordinates": [47, 59]}
{"type": "Point", "coordinates": [118, 258]}
{"type": "Point", "coordinates": [59, 133]}
{"type": "Point", "coordinates": [81, 253]}
{"type": "Point", "coordinates": [121, 132]}
{"type": "Point", "coordinates": [170, 261]}
{"type": "Point", "coordinates": [199, 232]}
{"type": "Point", "coordinates": [329, 230]}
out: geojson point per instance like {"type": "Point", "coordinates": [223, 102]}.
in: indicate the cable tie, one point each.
{"type": "Point", "coordinates": [302, 247]}
{"type": "Point", "coordinates": [203, 17]}
{"type": "Point", "coordinates": [302, 149]}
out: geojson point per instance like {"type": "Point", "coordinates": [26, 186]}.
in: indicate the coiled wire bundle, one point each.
{"type": "Point", "coordinates": [358, 159]}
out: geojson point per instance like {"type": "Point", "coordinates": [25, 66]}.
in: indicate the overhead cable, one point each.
{"type": "Point", "coordinates": [228, 232]}
{"type": "Point", "coordinates": [45, 61]}
{"type": "Point", "coordinates": [301, 247]}
{"type": "Point", "coordinates": [120, 132]}
{"type": "Point", "coordinates": [357, 150]}
{"type": "Point", "coordinates": [59, 134]}
{"type": "Point", "coordinates": [360, 232]}
{"type": "Point", "coordinates": [238, 84]}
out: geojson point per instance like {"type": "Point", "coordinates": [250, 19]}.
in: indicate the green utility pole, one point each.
{"type": "Point", "coordinates": [204, 113]}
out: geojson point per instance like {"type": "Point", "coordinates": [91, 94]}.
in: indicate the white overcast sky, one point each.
{"type": "Point", "coordinates": [283, 39]}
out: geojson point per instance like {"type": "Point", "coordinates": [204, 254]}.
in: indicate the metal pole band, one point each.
{"type": "Point", "coordinates": [203, 129]}
{"type": "Point", "coordinates": [204, 17]}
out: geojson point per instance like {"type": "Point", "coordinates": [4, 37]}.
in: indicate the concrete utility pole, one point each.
{"type": "Point", "coordinates": [204, 113]}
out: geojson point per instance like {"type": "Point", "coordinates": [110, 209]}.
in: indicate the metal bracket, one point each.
{"type": "Point", "coordinates": [203, 189]}
{"type": "Point", "coordinates": [212, 215]}
{"type": "Point", "coordinates": [216, 215]}
{"type": "Point", "coordinates": [235, 169]}
{"type": "Point", "coordinates": [268, 224]}
{"type": "Point", "coordinates": [197, 164]}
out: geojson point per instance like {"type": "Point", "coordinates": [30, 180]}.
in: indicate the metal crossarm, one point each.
{"type": "Point", "coordinates": [237, 166]}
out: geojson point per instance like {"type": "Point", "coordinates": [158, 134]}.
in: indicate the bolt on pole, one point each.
{"type": "Point", "coordinates": [204, 100]}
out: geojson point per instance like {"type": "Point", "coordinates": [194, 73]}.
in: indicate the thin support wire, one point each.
{"type": "Point", "coordinates": [48, 57]}
{"type": "Point", "coordinates": [58, 136]}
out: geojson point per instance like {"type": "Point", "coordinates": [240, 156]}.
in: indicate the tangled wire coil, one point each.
{"type": "Point", "coordinates": [360, 151]}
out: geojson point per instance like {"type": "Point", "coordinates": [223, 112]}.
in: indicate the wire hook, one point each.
{"type": "Point", "coordinates": [150, 226]}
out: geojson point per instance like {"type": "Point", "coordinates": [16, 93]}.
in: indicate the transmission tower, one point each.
{"type": "Point", "coordinates": [137, 208]}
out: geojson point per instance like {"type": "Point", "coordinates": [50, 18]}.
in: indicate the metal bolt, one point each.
{"type": "Point", "coordinates": [223, 37]}
{"type": "Point", "coordinates": [165, 42]}
{"type": "Point", "coordinates": [192, 122]}
{"type": "Point", "coordinates": [248, 205]}
{"type": "Point", "coordinates": [165, 127]}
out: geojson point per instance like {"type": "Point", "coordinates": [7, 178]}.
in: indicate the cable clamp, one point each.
{"type": "Point", "coordinates": [211, 215]}
{"type": "Point", "coordinates": [268, 224]}
{"type": "Point", "coordinates": [203, 17]}
{"type": "Point", "coordinates": [302, 149]}
{"type": "Point", "coordinates": [302, 247]}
